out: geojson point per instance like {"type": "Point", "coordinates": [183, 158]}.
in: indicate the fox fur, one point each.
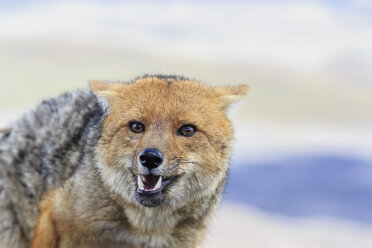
{"type": "Point", "coordinates": [69, 168]}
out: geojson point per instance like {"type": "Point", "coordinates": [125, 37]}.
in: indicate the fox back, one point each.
{"type": "Point", "coordinates": [39, 152]}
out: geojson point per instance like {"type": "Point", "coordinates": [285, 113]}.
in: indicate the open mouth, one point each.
{"type": "Point", "coordinates": [151, 184]}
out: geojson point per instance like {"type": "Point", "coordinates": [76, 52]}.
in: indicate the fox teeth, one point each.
{"type": "Point", "coordinates": [140, 183]}
{"type": "Point", "coordinates": [158, 184]}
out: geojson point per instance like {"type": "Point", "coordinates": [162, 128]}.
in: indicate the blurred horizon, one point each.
{"type": "Point", "coordinates": [297, 55]}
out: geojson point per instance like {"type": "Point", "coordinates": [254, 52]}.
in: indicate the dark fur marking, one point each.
{"type": "Point", "coordinates": [168, 77]}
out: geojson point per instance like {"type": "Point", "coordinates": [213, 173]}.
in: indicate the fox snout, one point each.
{"type": "Point", "coordinates": [150, 180]}
{"type": "Point", "coordinates": [151, 158]}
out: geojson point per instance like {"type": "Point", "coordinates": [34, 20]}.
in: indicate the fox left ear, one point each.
{"type": "Point", "coordinates": [106, 92]}
{"type": "Point", "coordinates": [231, 96]}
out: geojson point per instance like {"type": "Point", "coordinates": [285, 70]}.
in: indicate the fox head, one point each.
{"type": "Point", "coordinates": [165, 140]}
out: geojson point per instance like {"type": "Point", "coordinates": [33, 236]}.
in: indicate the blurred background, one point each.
{"type": "Point", "coordinates": [301, 172]}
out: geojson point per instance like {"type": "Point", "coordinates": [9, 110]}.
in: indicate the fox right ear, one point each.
{"type": "Point", "coordinates": [105, 92]}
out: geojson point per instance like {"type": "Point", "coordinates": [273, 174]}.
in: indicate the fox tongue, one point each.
{"type": "Point", "coordinates": [150, 181]}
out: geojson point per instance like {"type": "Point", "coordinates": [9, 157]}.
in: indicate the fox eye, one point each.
{"type": "Point", "coordinates": [187, 130]}
{"type": "Point", "coordinates": [136, 127]}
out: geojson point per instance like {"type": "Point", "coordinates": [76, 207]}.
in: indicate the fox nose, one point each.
{"type": "Point", "coordinates": [151, 158]}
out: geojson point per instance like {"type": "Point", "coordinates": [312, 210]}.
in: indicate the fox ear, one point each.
{"type": "Point", "coordinates": [105, 92]}
{"type": "Point", "coordinates": [231, 96]}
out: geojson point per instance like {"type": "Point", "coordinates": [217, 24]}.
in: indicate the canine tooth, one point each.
{"type": "Point", "coordinates": [140, 183]}
{"type": "Point", "coordinates": [158, 184]}
{"type": "Point", "coordinates": [143, 178]}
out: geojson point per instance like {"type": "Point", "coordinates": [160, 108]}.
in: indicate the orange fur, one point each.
{"type": "Point", "coordinates": [46, 235]}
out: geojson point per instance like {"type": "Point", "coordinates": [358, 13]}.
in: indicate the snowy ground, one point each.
{"type": "Point", "coordinates": [238, 226]}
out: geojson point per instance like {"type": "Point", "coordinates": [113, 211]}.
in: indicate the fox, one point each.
{"type": "Point", "coordinates": [122, 164]}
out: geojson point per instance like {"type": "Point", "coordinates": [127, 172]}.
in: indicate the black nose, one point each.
{"type": "Point", "coordinates": [151, 158]}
